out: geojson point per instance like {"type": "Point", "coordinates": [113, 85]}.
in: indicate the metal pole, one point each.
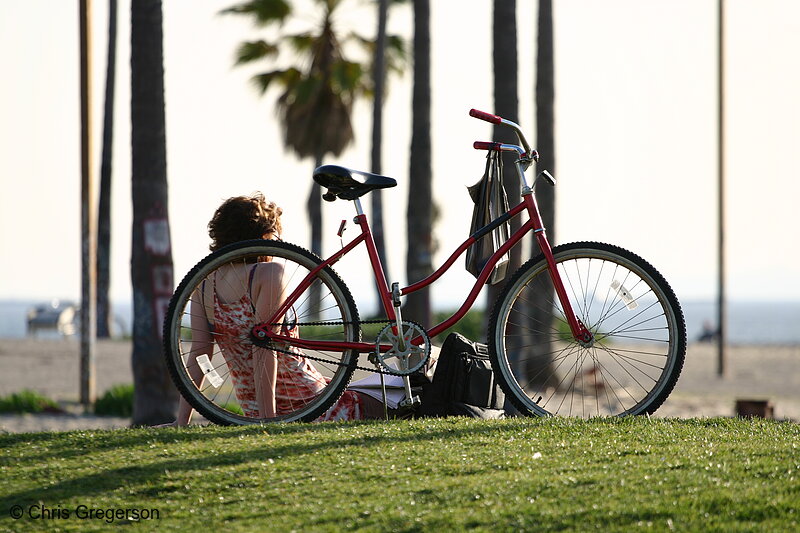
{"type": "Point", "coordinates": [88, 220]}
{"type": "Point", "coordinates": [721, 311]}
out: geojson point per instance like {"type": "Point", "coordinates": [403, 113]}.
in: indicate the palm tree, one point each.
{"type": "Point", "coordinates": [151, 256]}
{"type": "Point", "coordinates": [541, 342]}
{"type": "Point", "coordinates": [545, 112]}
{"type": "Point", "coordinates": [419, 215]}
{"type": "Point", "coordinates": [378, 79]}
{"type": "Point", "coordinates": [389, 55]}
{"type": "Point", "coordinates": [104, 205]}
{"type": "Point", "coordinates": [504, 59]}
{"type": "Point", "coordinates": [317, 95]}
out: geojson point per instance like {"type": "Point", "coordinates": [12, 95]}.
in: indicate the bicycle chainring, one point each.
{"type": "Point", "coordinates": [403, 358]}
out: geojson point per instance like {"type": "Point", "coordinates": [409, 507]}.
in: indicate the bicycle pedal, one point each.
{"type": "Point", "coordinates": [410, 402]}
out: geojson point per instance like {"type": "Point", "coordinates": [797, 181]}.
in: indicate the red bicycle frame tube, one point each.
{"type": "Point", "coordinates": [579, 330]}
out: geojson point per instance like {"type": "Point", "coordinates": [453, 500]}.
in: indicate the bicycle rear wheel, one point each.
{"type": "Point", "coordinates": [639, 335]}
{"type": "Point", "coordinates": [308, 383]}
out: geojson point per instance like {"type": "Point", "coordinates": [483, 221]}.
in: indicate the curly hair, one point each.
{"type": "Point", "coordinates": [244, 217]}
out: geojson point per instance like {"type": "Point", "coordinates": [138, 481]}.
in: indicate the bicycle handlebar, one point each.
{"type": "Point", "coordinates": [533, 155]}
{"type": "Point", "coordinates": [495, 119]}
{"type": "Point", "coordinates": [483, 115]}
{"type": "Point", "coordinates": [483, 145]}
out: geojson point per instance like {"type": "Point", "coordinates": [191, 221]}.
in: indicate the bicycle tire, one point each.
{"type": "Point", "coordinates": [339, 320]}
{"type": "Point", "coordinates": [638, 326]}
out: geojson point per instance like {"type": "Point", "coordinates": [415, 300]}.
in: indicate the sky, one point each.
{"type": "Point", "coordinates": [636, 137]}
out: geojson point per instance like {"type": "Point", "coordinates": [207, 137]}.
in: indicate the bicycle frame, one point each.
{"type": "Point", "coordinates": [534, 223]}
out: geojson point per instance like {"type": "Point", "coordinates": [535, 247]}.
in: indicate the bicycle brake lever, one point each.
{"type": "Point", "coordinates": [546, 176]}
{"type": "Point", "coordinates": [341, 231]}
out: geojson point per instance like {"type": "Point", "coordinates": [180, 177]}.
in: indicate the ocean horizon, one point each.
{"type": "Point", "coordinates": [749, 323]}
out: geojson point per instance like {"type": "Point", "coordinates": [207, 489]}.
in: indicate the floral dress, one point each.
{"type": "Point", "coordinates": [298, 380]}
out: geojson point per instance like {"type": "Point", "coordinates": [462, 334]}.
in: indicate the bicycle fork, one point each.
{"type": "Point", "coordinates": [579, 331]}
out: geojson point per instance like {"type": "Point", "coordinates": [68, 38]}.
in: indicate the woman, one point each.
{"type": "Point", "coordinates": [228, 311]}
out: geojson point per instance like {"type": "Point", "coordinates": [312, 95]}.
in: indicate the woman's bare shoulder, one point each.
{"type": "Point", "coordinates": [267, 271]}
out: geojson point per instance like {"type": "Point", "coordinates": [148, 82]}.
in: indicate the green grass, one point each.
{"type": "Point", "coordinates": [422, 475]}
{"type": "Point", "coordinates": [472, 325]}
{"type": "Point", "coordinates": [27, 401]}
{"type": "Point", "coordinates": [116, 401]}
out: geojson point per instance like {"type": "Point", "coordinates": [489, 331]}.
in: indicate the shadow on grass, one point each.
{"type": "Point", "coordinates": [63, 445]}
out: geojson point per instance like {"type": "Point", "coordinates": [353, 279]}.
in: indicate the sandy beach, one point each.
{"type": "Point", "coordinates": [51, 367]}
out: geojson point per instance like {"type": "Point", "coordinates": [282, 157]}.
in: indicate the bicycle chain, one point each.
{"type": "Point", "coordinates": [375, 369]}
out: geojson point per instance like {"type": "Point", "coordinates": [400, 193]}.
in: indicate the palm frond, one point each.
{"type": "Point", "coordinates": [301, 42]}
{"type": "Point", "coordinates": [395, 50]}
{"type": "Point", "coordinates": [264, 12]}
{"type": "Point", "coordinates": [347, 77]}
{"type": "Point", "coordinates": [396, 54]}
{"type": "Point", "coordinates": [366, 43]}
{"type": "Point", "coordinates": [306, 89]}
{"type": "Point", "coordinates": [319, 125]}
{"type": "Point", "coordinates": [255, 50]}
{"type": "Point", "coordinates": [287, 78]}
{"type": "Point", "coordinates": [392, 2]}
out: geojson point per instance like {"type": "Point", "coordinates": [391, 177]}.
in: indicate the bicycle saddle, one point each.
{"type": "Point", "coordinates": [349, 184]}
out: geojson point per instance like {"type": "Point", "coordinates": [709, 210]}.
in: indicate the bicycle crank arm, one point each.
{"type": "Point", "coordinates": [410, 400]}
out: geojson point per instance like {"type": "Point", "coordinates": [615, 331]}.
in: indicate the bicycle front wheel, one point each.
{"type": "Point", "coordinates": [216, 366]}
{"type": "Point", "coordinates": [639, 343]}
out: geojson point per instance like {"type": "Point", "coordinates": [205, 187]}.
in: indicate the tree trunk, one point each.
{"type": "Point", "coordinates": [88, 313]}
{"type": "Point", "coordinates": [104, 313]}
{"type": "Point", "coordinates": [419, 215]}
{"type": "Point", "coordinates": [541, 342]}
{"type": "Point", "coordinates": [545, 114]}
{"type": "Point", "coordinates": [379, 78]}
{"type": "Point", "coordinates": [314, 207]}
{"type": "Point", "coordinates": [504, 59]}
{"type": "Point", "coordinates": [155, 398]}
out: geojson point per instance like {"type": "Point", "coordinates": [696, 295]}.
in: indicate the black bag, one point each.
{"type": "Point", "coordinates": [491, 201]}
{"type": "Point", "coordinates": [463, 382]}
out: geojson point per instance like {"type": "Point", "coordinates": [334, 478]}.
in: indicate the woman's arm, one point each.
{"type": "Point", "coordinates": [267, 296]}
{"type": "Point", "coordinates": [202, 343]}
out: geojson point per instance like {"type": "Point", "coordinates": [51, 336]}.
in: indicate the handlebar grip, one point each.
{"type": "Point", "coordinates": [488, 117]}
{"type": "Point", "coordinates": [484, 145]}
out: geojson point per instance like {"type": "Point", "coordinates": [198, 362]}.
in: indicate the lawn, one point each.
{"type": "Point", "coordinates": [423, 475]}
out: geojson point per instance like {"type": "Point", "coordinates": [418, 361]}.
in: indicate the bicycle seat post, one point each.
{"type": "Point", "coordinates": [359, 209]}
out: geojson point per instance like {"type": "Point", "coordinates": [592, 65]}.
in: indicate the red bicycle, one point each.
{"type": "Point", "coordinates": [581, 329]}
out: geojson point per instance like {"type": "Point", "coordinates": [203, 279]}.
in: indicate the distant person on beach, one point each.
{"type": "Point", "coordinates": [225, 313]}
{"type": "Point", "coordinates": [709, 334]}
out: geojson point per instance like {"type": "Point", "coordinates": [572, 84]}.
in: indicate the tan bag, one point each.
{"type": "Point", "coordinates": [490, 202]}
